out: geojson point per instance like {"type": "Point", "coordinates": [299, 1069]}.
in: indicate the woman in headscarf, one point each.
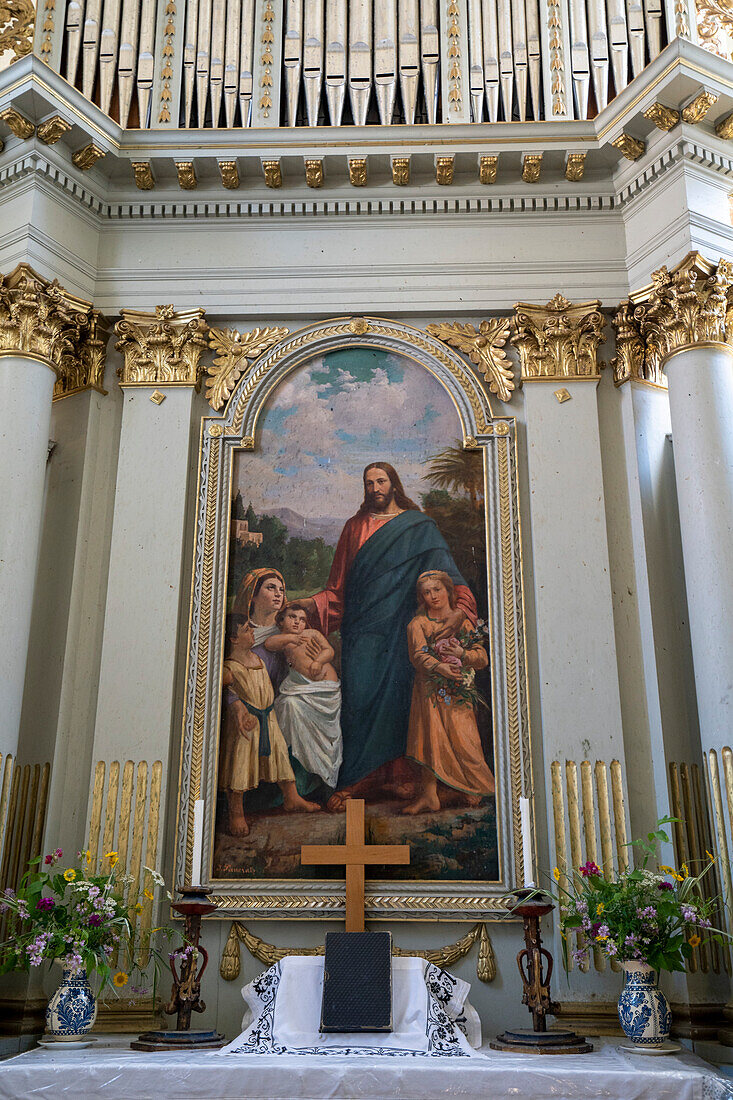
{"type": "Point", "coordinates": [260, 596]}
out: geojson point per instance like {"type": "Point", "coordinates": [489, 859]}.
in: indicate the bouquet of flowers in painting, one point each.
{"type": "Point", "coordinates": [655, 917]}
{"type": "Point", "coordinates": [449, 690]}
{"type": "Point", "coordinates": [86, 921]}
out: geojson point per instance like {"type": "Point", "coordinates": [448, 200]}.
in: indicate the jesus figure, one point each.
{"type": "Point", "coordinates": [370, 596]}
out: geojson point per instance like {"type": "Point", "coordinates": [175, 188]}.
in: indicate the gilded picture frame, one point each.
{"type": "Point", "coordinates": [236, 431]}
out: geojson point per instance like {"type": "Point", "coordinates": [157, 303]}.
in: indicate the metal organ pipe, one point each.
{"type": "Point", "coordinates": [293, 56]}
{"type": "Point", "coordinates": [409, 56]}
{"type": "Point", "coordinates": [491, 57]}
{"type": "Point", "coordinates": [360, 58]}
{"type": "Point", "coordinates": [385, 57]}
{"type": "Point", "coordinates": [313, 58]}
{"type": "Point", "coordinates": [430, 55]}
{"type": "Point", "coordinates": [475, 60]}
{"type": "Point", "coordinates": [336, 20]}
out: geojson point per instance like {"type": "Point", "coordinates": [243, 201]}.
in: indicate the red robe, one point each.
{"type": "Point", "coordinates": [330, 602]}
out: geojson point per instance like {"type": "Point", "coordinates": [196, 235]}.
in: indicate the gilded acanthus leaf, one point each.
{"type": "Point", "coordinates": [485, 348]}
{"type": "Point", "coordinates": [17, 18]}
{"type": "Point", "coordinates": [234, 349]}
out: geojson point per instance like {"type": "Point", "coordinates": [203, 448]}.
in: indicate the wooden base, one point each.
{"type": "Point", "coordinates": [179, 1040]}
{"type": "Point", "coordinates": [130, 1016]}
{"type": "Point", "coordinates": [526, 1041]}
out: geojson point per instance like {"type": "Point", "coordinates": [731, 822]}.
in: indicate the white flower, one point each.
{"type": "Point", "coordinates": [156, 877]}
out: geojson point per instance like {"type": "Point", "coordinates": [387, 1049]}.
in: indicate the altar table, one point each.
{"type": "Point", "coordinates": [111, 1070]}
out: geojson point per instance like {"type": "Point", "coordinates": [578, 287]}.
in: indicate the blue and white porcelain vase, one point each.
{"type": "Point", "coordinates": [642, 1007]}
{"type": "Point", "coordinates": [72, 1010]}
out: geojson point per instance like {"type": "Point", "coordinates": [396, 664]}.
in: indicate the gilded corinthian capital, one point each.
{"type": "Point", "coordinates": [161, 348]}
{"type": "Point", "coordinates": [559, 340]}
{"type": "Point", "coordinates": [42, 321]}
{"type": "Point", "coordinates": [690, 304]}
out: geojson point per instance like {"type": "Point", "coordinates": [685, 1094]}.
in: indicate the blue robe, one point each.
{"type": "Point", "coordinates": [376, 673]}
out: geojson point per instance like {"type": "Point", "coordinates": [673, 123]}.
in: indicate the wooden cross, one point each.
{"type": "Point", "coordinates": [355, 854]}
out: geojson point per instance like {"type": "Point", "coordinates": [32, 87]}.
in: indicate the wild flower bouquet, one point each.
{"type": "Point", "coordinates": [84, 920]}
{"type": "Point", "coordinates": [448, 690]}
{"type": "Point", "coordinates": [650, 916]}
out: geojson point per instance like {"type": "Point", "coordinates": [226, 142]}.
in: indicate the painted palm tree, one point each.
{"type": "Point", "coordinates": [459, 470]}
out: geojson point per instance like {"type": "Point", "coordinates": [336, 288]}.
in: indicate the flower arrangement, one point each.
{"type": "Point", "coordinates": [650, 916]}
{"type": "Point", "coordinates": [84, 920]}
{"type": "Point", "coordinates": [448, 691]}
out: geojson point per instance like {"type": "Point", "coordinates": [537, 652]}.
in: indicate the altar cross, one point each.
{"type": "Point", "coordinates": [356, 855]}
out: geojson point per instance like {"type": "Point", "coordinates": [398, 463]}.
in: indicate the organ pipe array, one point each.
{"type": "Point", "coordinates": [241, 63]}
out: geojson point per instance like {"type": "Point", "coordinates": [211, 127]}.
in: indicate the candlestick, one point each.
{"type": "Point", "coordinates": [198, 841]}
{"type": "Point", "coordinates": [526, 842]}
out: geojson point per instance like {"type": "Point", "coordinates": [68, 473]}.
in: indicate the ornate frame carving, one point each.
{"type": "Point", "coordinates": [235, 430]}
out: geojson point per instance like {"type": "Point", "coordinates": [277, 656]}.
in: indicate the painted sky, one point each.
{"type": "Point", "coordinates": [332, 417]}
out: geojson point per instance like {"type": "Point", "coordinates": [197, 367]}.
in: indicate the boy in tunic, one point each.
{"type": "Point", "coordinates": [253, 749]}
{"type": "Point", "coordinates": [308, 706]}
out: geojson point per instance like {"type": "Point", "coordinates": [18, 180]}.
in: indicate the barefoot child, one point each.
{"type": "Point", "coordinates": [443, 736]}
{"type": "Point", "coordinates": [308, 707]}
{"type": "Point", "coordinates": [252, 749]}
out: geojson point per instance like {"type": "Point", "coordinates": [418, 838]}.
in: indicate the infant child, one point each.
{"type": "Point", "coordinates": [308, 706]}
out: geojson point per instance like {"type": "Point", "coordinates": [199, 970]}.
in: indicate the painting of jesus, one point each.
{"type": "Point", "coordinates": [357, 565]}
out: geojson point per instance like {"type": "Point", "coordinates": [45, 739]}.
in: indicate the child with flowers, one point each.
{"type": "Point", "coordinates": [443, 736]}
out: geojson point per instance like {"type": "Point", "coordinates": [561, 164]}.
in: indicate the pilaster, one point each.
{"type": "Point", "coordinates": [149, 556]}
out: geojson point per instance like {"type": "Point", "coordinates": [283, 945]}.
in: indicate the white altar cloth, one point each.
{"type": "Point", "coordinates": [111, 1071]}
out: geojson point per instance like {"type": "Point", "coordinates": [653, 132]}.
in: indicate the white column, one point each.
{"type": "Point", "coordinates": [26, 388]}
{"type": "Point", "coordinates": [701, 406]}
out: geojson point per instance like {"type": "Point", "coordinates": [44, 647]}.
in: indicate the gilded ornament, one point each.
{"type": "Point", "coordinates": [559, 340]}
{"type": "Point", "coordinates": [531, 166]}
{"type": "Point", "coordinates": [314, 173]}
{"type": "Point", "coordinates": [168, 50]}
{"type": "Point", "coordinates": [215, 430]}
{"type": "Point", "coordinates": [470, 443]}
{"type": "Point", "coordinates": [575, 167]}
{"type": "Point", "coordinates": [52, 129]}
{"type": "Point", "coordinates": [664, 118]}
{"type": "Point", "coordinates": [273, 173]}
{"type": "Point", "coordinates": [186, 175]}
{"type": "Point", "coordinates": [143, 173]}
{"type": "Point", "coordinates": [358, 171]}
{"type": "Point", "coordinates": [39, 318]}
{"type": "Point", "coordinates": [87, 156]}
{"type": "Point", "coordinates": [48, 28]}
{"type": "Point", "coordinates": [157, 397]}
{"type": "Point", "coordinates": [234, 349]}
{"type": "Point", "coordinates": [724, 128]}
{"type": "Point", "coordinates": [487, 168]}
{"type": "Point", "coordinates": [248, 443]}
{"type": "Point", "coordinates": [401, 171]}
{"type": "Point", "coordinates": [484, 347]}
{"type": "Point", "coordinates": [628, 363]}
{"type": "Point", "coordinates": [161, 347]}
{"type": "Point", "coordinates": [690, 304]}
{"type": "Point", "coordinates": [17, 19]}
{"type": "Point", "coordinates": [557, 60]}
{"type": "Point", "coordinates": [229, 174]}
{"type": "Point", "coordinates": [17, 123]}
{"type": "Point", "coordinates": [562, 396]}
{"type": "Point", "coordinates": [444, 170]}
{"type": "Point", "coordinates": [269, 954]}
{"type": "Point", "coordinates": [714, 26]}
{"type": "Point", "coordinates": [359, 325]}
{"type": "Point", "coordinates": [698, 107]}
{"type": "Point", "coordinates": [630, 146]}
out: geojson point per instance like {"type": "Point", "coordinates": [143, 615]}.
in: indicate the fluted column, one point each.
{"type": "Point", "coordinates": [45, 338]}
{"type": "Point", "coordinates": [685, 324]}
{"type": "Point", "coordinates": [149, 568]}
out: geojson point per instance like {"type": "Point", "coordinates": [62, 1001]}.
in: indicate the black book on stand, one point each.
{"type": "Point", "coordinates": [357, 982]}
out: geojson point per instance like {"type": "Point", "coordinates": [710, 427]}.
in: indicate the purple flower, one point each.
{"type": "Point", "coordinates": [665, 886]}
{"type": "Point", "coordinates": [95, 920]}
{"type": "Point", "coordinates": [45, 903]}
{"type": "Point", "coordinates": [589, 868]}
{"type": "Point", "coordinates": [689, 914]}
{"type": "Point", "coordinates": [611, 948]}
{"type": "Point", "coordinates": [48, 860]}
{"type": "Point", "coordinates": [58, 853]}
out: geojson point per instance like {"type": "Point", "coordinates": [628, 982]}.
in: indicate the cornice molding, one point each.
{"type": "Point", "coordinates": [39, 320]}
{"type": "Point", "coordinates": [690, 305]}
{"type": "Point", "coordinates": [162, 348]}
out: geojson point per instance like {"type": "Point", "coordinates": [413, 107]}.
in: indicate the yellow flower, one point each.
{"type": "Point", "coordinates": [694, 940]}
{"type": "Point", "coordinates": [556, 874]}
{"type": "Point", "coordinates": [686, 873]}
{"type": "Point", "coordinates": [600, 939]}
{"type": "Point", "coordinates": [599, 908]}
{"type": "Point", "coordinates": [148, 895]}
{"type": "Point", "coordinates": [678, 878]}
{"type": "Point", "coordinates": [113, 858]}
{"type": "Point", "coordinates": [710, 855]}
{"type": "Point", "coordinates": [667, 870]}
{"type": "Point", "coordinates": [70, 875]}
{"type": "Point", "coordinates": [120, 979]}
{"type": "Point", "coordinates": [138, 908]}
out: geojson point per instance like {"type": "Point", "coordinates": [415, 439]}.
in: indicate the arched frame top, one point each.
{"type": "Point", "coordinates": [252, 392]}
{"type": "Point", "coordinates": [235, 431]}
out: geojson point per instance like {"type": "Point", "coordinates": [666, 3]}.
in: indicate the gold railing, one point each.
{"type": "Point", "coordinates": [23, 802]}
{"type": "Point", "coordinates": [588, 807]}
{"type": "Point", "coordinates": [126, 816]}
